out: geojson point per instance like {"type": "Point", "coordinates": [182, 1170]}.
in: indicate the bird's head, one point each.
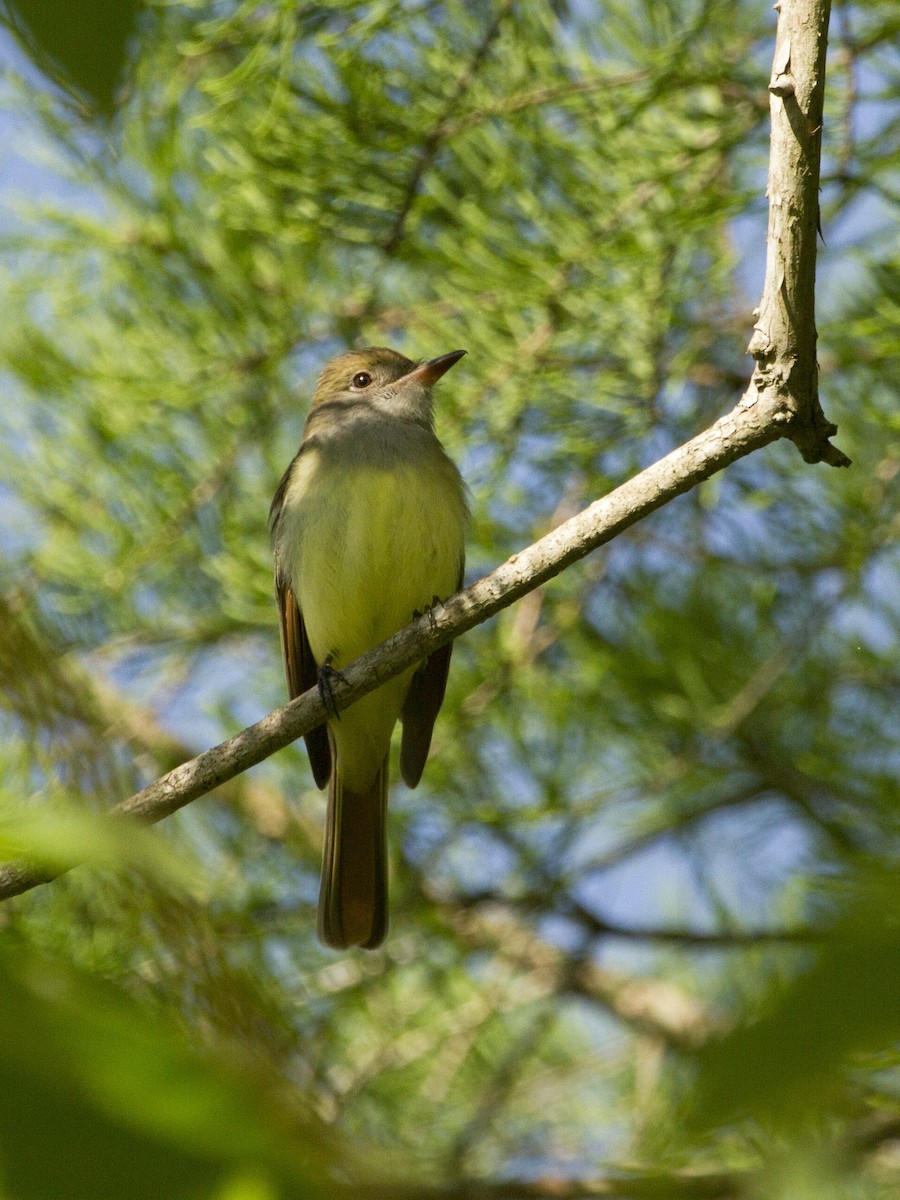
{"type": "Point", "coordinates": [385, 380]}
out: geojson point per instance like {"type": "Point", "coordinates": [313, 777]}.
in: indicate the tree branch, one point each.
{"type": "Point", "coordinates": [730, 438]}
{"type": "Point", "coordinates": [624, 1185]}
{"type": "Point", "coordinates": [784, 336]}
{"type": "Point", "coordinates": [597, 926]}
{"type": "Point", "coordinates": [653, 1007]}
{"type": "Point", "coordinates": [696, 939]}
{"type": "Point", "coordinates": [780, 402]}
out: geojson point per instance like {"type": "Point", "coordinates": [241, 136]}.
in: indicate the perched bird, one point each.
{"type": "Point", "coordinates": [368, 527]}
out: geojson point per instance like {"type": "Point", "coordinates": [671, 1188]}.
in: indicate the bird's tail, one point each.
{"type": "Point", "coordinates": [353, 894]}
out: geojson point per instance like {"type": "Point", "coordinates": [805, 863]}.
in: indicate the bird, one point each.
{"type": "Point", "coordinates": [368, 530]}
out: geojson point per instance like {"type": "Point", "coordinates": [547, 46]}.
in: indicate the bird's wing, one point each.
{"type": "Point", "coordinates": [421, 707]}
{"type": "Point", "coordinates": [302, 673]}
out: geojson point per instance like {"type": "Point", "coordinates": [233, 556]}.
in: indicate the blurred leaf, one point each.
{"type": "Point", "coordinates": [97, 1099]}
{"type": "Point", "coordinates": [79, 43]}
{"type": "Point", "coordinates": [789, 1064]}
{"type": "Point", "coordinates": [56, 835]}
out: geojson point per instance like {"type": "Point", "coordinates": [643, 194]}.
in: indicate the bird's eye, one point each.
{"type": "Point", "coordinates": [362, 379]}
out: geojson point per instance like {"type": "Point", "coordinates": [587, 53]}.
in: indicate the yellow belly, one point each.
{"type": "Point", "coordinates": [365, 549]}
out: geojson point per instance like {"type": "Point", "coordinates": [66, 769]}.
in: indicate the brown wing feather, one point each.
{"type": "Point", "coordinates": [302, 673]}
{"type": "Point", "coordinates": [421, 707]}
{"type": "Point", "coordinates": [420, 710]}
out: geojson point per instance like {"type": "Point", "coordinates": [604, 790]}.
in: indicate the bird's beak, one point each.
{"type": "Point", "coordinates": [429, 373]}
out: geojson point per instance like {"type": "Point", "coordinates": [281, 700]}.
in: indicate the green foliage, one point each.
{"type": "Point", "coordinates": [81, 45]}
{"type": "Point", "coordinates": [784, 1065]}
{"type": "Point", "coordinates": [98, 1100]}
{"type": "Point", "coordinates": [644, 774]}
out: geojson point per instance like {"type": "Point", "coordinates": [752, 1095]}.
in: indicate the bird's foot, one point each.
{"type": "Point", "coordinates": [326, 677]}
{"type": "Point", "coordinates": [429, 610]}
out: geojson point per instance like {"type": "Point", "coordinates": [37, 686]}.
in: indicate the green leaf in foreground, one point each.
{"type": "Point", "coordinates": [789, 1063]}
{"type": "Point", "coordinates": [97, 1099]}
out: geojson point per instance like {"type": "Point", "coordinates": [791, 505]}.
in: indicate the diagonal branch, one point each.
{"type": "Point", "coordinates": [730, 438]}
{"type": "Point", "coordinates": [781, 401]}
{"type": "Point", "coordinates": [696, 939]}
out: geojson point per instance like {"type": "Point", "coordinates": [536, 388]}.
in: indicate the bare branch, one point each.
{"type": "Point", "coordinates": [784, 336]}
{"type": "Point", "coordinates": [730, 438]}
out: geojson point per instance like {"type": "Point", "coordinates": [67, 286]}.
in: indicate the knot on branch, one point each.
{"type": "Point", "coordinates": [800, 417]}
{"type": "Point", "coordinates": [761, 347]}
{"type": "Point", "coordinates": [782, 85]}
{"type": "Point", "coordinates": [792, 402]}
{"type": "Point", "coordinates": [811, 436]}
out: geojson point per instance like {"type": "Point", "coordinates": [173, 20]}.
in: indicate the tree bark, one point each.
{"type": "Point", "coordinates": [784, 336]}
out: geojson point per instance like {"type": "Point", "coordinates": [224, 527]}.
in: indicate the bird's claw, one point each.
{"type": "Point", "coordinates": [429, 610]}
{"type": "Point", "coordinates": [326, 676]}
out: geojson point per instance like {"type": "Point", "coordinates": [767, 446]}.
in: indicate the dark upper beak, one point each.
{"type": "Point", "coordinates": [431, 371]}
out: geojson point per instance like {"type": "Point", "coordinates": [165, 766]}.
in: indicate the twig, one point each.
{"type": "Point", "coordinates": [596, 926]}
{"type": "Point", "coordinates": [675, 824]}
{"type": "Point", "coordinates": [555, 94]}
{"type": "Point", "coordinates": [695, 938]}
{"type": "Point", "coordinates": [440, 129]}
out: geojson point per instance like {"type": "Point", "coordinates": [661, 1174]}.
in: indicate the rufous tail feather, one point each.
{"type": "Point", "coordinates": [353, 907]}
